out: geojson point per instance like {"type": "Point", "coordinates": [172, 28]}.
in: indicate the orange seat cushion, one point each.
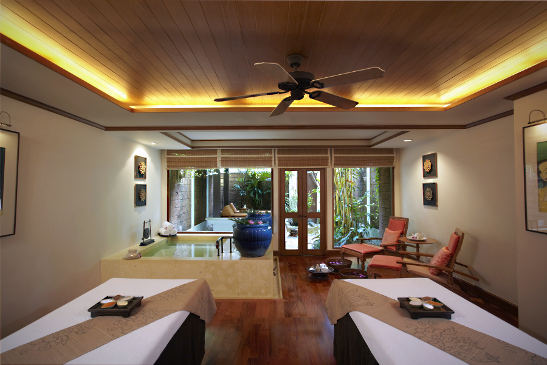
{"type": "Point", "coordinates": [386, 262]}
{"type": "Point", "coordinates": [441, 258]}
{"type": "Point", "coordinates": [453, 243]}
{"type": "Point", "coordinates": [363, 248]}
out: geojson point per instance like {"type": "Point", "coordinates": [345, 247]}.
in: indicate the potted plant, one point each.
{"type": "Point", "coordinates": [255, 189]}
{"type": "Point", "coordinates": [252, 237]}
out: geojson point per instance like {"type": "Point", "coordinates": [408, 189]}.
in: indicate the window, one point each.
{"type": "Point", "coordinates": [197, 197]}
{"type": "Point", "coordinates": [362, 202]}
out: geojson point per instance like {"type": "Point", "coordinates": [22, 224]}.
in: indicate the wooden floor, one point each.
{"type": "Point", "coordinates": [292, 330]}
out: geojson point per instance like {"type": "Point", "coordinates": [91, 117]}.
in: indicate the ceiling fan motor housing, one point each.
{"type": "Point", "coordinates": [302, 78]}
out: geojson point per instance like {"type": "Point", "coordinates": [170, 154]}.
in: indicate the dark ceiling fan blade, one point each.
{"type": "Point", "coordinates": [281, 107]}
{"type": "Point", "coordinates": [332, 99]}
{"type": "Point", "coordinates": [275, 70]}
{"type": "Point", "coordinates": [348, 77]}
{"type": "Point", "coordinates": [250, 96]}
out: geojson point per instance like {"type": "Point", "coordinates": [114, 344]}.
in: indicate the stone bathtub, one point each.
{"type": "Point", "coordinates": [195, 256]}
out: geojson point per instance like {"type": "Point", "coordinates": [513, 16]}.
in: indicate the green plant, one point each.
{"type": "Point", "coordinates": [246, 221]}
{"type": "Point", "coordinates": [255, 188]}
{"type": "Point", "coordinates": [351, 212]}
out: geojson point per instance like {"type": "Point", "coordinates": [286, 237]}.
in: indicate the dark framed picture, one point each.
{"type": "Point", "coordinates": [140, 167]}
{"type": "Point", "coordinates": [430, 194]}
{"type": "Point", "coordinates": [140, 195]}
{"type": "Point", "coordinates": [9, 161]}
{"type": "Point", "coordinates": [534, 141]}
{"type": "Point", "coordinates": [429, 165]}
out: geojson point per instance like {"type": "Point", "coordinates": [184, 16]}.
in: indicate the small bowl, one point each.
{"type": "Point", "coordinates": [434, 303]}
{"type": "Point", "coordinates": [415, 303]}
{"type": "Point", "coordinates": [122, 303]}
{"type": "Point", "coordinates": [428, 306]}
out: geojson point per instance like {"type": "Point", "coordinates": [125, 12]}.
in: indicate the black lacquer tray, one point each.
{"type": "Point", "coordinates": [96, 309]}
{"type": "Point", "coordinates": [318, 273]}
{"type": "Point", "coordinates": [420, 312]}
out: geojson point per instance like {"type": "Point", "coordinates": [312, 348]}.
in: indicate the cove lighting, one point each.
{"type": "Point", "coordinates": [22, 32]}
{"type": "Point", "coordinates": [530, 53]}
{"type": "Point", "coordinates": [255, 106]}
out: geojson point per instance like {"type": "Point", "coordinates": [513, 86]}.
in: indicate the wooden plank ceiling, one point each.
{"type": "Point", "coordinates": [189, 52]}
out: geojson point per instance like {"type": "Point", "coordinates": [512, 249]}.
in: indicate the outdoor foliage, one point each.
{"type": "Point", "coordinates": [350, 207]}
{"type": "Point", "coordinates": [255, 188]}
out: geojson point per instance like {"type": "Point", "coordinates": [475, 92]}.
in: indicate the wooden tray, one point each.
{"type": "Point", "coordinates": [419, 312]}
{"type": "Point", "coordinates": [319, 274]}
{"type": "Point", "coordinates": [338, 263]}
{"type": "Point", "coordinates": [96, 309]}
{"type": "Point", "coordinates": [352, 274]}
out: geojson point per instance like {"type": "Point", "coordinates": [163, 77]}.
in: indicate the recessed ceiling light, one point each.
{"type": "Point", "coordinates": [153, 142]}
{"type": "Point", "coordinates": [407, 140]}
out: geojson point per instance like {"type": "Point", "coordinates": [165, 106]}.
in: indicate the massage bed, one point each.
{"type": "Point", "coordinates": [178, 338]}
{"type": "Point", "coordinates": [362, 339]}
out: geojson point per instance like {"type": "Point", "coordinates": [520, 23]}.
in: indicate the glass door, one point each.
{"type": "Point", "coordinates": [302, 230]}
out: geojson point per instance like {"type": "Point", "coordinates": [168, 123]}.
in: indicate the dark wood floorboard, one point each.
{"type": "Point", "coordinates": [292, 330]}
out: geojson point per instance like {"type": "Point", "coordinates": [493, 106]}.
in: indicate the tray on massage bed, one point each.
{"type": "Point", "coordinates": [96, 309]}
{"type": "Point", "coordinates": [420, 312]}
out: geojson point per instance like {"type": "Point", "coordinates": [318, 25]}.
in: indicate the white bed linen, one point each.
{"type": "Point", "coordinates": [142, 346]}
{"type": "Point", "coordinates": [392, 346]}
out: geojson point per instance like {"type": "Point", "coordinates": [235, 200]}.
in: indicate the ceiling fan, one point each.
{"type": "Point", "coordinates": [298, 82]}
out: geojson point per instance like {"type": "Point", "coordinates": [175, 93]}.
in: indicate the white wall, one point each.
{"type": "Point", "coordinates": [75, 205]}
{"type": "Point", "coordinates": [476, 188]}
{"type": "Point", "coordinates": [531, 247]}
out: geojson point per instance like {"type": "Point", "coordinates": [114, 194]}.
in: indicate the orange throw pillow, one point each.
{"type": "Point", "coordinates": [441, 258]}
{"type": "Point", "coordinates": [453, 243]}
{"type": "Point", "coordinates": [390, 237]}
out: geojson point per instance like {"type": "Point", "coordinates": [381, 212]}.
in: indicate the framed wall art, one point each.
{"type": "Point", "coordinates": [140, 195]}
{"type": "Point", "coordinates": [140, 167]}
{"type": "Point", "coordinates": [534, 141]}
{"type": "Point", "coordinates": [430, 194]}
{"type": "Point", "coordinates": [9, 161]}
{"type": "Point", "coordinates": [429, 165]}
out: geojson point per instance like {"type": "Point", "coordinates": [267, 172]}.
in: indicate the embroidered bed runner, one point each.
{"type": "Point", "coordinates": [460, 341]}
{"type": "Point", "coordinates": [72, 342]}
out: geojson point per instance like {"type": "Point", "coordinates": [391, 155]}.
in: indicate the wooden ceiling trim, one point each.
{"type": "Point", "coordinates": [49, 108]}
{"type": "Point", "coordinates": [293, 109]}
{"type": "Point", "coordinates": [176, 139]}
{"type": "Point", "coordinates": [388, 138]}
{"type": "Point", "coordinates": [285, 127]}
{"type": "Point", "coordinates": [529, 91]}
{"type": "Point", "coordinates": [490, 119]}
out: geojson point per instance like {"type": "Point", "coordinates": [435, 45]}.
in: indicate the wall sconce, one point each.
{"type": "Point", "coordinates": [530, 121]}
{"type": "Point", "coordinates": [5, 119]}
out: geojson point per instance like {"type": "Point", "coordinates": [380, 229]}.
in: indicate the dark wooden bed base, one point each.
{"type": "Point", "coordinates": [187, 345]}
{"type": "Point", "coordinates": [349, 346]}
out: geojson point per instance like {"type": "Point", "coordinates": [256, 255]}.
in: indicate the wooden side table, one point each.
{"type": "Point", "coordinates": [416, 244]}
